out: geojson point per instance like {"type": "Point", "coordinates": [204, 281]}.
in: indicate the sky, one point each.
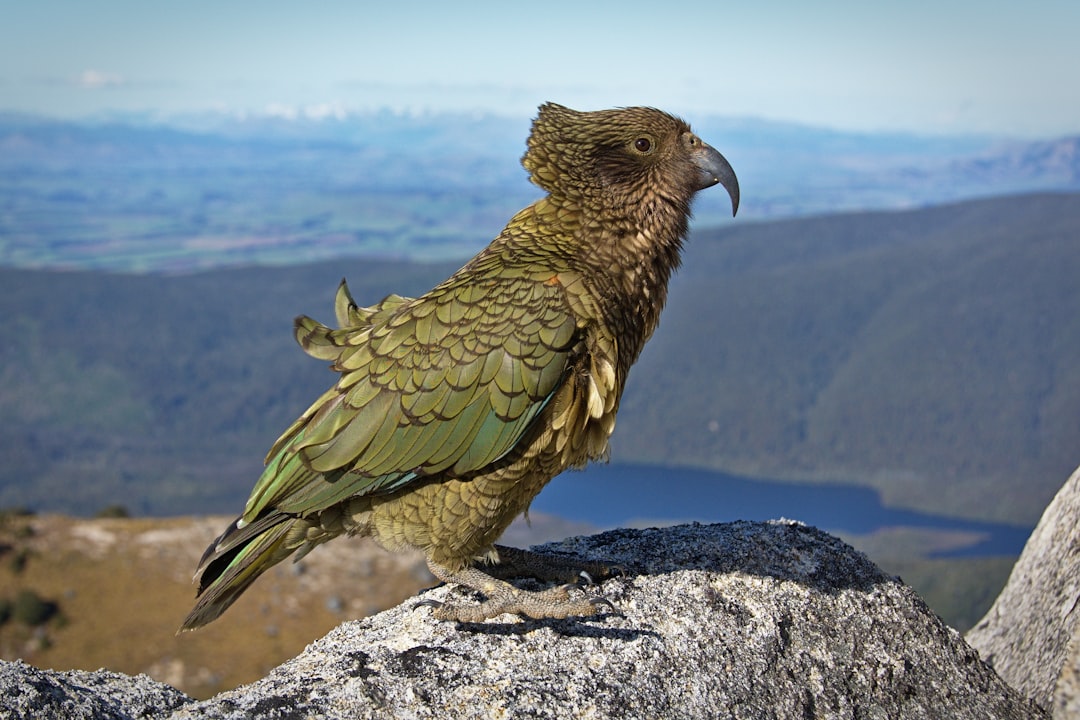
{"type": "Point", "coordinates": [941, 67]}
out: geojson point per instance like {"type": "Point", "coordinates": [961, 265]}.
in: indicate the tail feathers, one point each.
{"type": "Point", "coordinates": [234, 561]}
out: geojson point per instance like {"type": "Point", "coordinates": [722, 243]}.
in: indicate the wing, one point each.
{"type": "Point", "coordinates": [446, 383]}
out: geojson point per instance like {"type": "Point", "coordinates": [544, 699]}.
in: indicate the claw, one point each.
{"type": "Point", "coordinates": [429, 603]}
{"type": "Point", "coordinates": [586, 577]}
{"type": "Point", "coordinates": [603, 602]}
{"type": "Point", "coordinates": [621, 571]}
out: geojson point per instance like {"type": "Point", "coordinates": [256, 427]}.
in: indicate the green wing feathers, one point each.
{"type": "Point", "coordinates": [234, 561]}
{"type": "Point", "coordinates": [445, 383]}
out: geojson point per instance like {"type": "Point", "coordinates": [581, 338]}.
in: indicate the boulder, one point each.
{"type": "Point", "coordinates": [1029, 634]}
{"type": "Point", "coordinates": [27, 692]}
{"type": "Point", "coordinates": [741, 620]}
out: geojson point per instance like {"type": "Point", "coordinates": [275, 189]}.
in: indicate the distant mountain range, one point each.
{"type": "Point", "coordinates": [1053, 163]}
{"type": "Point", "coordinates": [131, 195]}
{"type": "Point", "coordinates": [929, 354]}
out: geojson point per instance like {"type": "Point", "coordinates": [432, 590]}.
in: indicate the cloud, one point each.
{"type": "Point", "coordinates": [96, 80]}
{"type": "Point", "coordinates": [318, 111]}
{"type": "Point", "coordinates": [322, 111]}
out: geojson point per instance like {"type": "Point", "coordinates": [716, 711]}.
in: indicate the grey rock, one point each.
{"type": "Point", "coordinates": [1026, 634]}
{"type": "Point", "coordinates": [742, 620]}
{"type": "Point", "coordinates": [1067, 689]}
{"type": "Point", "coordinates": [27, 692]}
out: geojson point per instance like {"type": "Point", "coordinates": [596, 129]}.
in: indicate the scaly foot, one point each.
{"type": "Point", "coordinates": [502, 597]}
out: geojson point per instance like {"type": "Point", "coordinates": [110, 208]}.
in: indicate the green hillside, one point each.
{"type": "Point", "coordinates": [928, 353]}
{"type": "Point", "coordinates": [160, 393]}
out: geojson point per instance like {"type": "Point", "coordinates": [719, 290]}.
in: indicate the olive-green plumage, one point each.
{"type": "Point", "coordinates": [454, 409]}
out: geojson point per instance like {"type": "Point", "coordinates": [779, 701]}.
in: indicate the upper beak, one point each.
{"type": "Point", "coordinates": [714, 168]}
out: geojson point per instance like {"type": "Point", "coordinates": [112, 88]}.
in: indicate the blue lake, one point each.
{"type": "Point", "coordinates": [615, 494]}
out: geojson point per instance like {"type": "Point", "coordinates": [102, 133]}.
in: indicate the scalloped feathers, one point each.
{"type": "Point", "coordinates": [453, 409]}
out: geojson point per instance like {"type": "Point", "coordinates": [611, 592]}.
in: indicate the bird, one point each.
{"type": "Point", "coordinates": [452, 410]}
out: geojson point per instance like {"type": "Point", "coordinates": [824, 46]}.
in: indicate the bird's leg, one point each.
{"type": "Point", "coordinates": [502, 597]}
{"type": "Point", "coordinates": [515, 563]}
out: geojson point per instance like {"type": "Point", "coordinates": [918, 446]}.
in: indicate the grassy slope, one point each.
{"type": "Point", "coordinates": [123, 586]}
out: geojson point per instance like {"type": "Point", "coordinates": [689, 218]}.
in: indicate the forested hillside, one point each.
{"type": "Point", "coordinates": [928, 353]}
{"type": "Point", "coordinates": [931, 354]}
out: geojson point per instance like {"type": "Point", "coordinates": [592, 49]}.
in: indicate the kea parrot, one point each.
{"type": "Point", "coordinates": [452, 410]}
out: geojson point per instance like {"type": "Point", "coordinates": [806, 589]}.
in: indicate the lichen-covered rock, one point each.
{"type": "Point", "coordinates": [743, 620]}
{"type": "Point", "coordinates": [1026, 634]}
{"type": "Point", "coordinates": [27, 692]}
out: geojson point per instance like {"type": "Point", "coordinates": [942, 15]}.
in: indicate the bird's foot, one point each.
{"type": "Point", "coordinates": [515, 563]}
{"type": "Point", "coordinates": [502, 597]}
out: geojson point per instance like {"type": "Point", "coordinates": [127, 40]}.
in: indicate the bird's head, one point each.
{"type": "Point", "coordinates": [623, 153]}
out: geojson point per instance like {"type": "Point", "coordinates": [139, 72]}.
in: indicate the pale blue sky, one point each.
{"type": "Point", "coordinates": [949, 66]}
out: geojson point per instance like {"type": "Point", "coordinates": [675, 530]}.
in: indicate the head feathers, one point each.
{"type": "Point", "coordinates": [571, 152]}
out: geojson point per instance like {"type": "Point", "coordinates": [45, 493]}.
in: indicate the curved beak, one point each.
{"type": "Point", "coordinates": [713, 168]}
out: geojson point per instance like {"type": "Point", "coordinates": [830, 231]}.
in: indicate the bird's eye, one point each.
{"type": "Point", "coordinates": [643, 144]}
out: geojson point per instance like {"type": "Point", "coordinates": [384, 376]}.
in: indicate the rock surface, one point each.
{"type": "Point", "coordinates": [26, 692]}
{"type": "Point", "coordinates": [742, 620]}
{"type": "Point", "coordinates": [1029, 633]}
{"type": "Point", "coordinates": [1067, 689]}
